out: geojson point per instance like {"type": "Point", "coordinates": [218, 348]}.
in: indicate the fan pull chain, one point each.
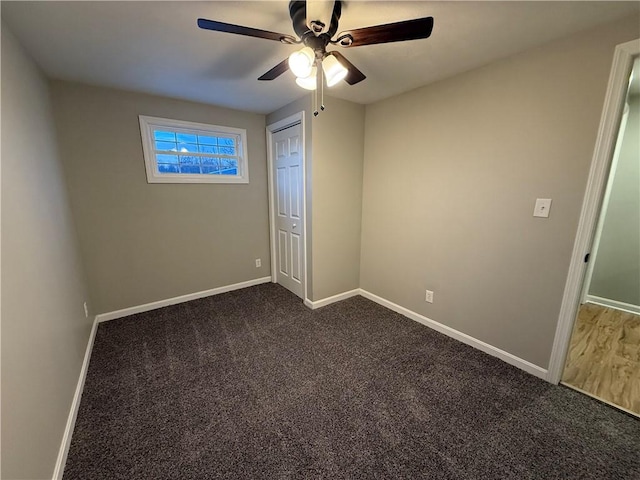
{"type": "Point", "coordinates": [313, 103]}
{"type": "Point", "coordinates": [321, 87]}
{"type": "Point", "coordinates": [315, 92]}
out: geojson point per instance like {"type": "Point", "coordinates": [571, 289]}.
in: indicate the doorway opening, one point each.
{"type": "Point", "coordinates": [602, 349]}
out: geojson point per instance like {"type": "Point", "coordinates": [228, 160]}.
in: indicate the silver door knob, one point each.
{"type": "Point", "coordinates": [295, 225]}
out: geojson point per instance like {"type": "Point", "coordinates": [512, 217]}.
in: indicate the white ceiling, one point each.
{"type": "Point", "coordinates": [156, 47]}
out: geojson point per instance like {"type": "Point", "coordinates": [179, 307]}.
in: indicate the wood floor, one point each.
{"type": "Point", "coordinates": [604, 356]}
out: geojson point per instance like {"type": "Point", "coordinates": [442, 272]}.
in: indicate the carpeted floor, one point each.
{"type": "Point", "coordinates": [251, 384]}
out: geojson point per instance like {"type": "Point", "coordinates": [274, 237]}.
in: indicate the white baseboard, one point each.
{"type": "Point", "coordinates": [606, 302]}
{"type": "Point", "coordinates": [125, 312]}
{"type": "Point", "coordinates": [329, 300]}
{"type": "Point", "coordinates": [462, 337]}
{"type": "Point", "coordinates": [450, 332]}
{"type": "Point", "coordinates": [75, 404]}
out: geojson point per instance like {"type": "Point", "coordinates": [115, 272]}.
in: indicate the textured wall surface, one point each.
{"type": "Point", "coordinates": [147, 242]}
{"type": "Point", "coordinates": [338, 149]}
{"type": "Point", "coordinates": [44, 329]}
{"type": "Point", "coordinates": [451, 174]}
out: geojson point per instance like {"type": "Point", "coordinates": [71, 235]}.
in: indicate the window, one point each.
{"type": "Point", "coordinates": [187, 152]}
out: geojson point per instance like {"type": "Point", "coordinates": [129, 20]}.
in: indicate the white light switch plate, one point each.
{"type": "Point", "coordinates": [542, 208]}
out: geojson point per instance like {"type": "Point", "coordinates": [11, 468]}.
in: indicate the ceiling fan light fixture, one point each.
{"type": "Point", "coordinates": [301, 62]}
{"type": "Point", "coordinates": [310, 82]}
{"type": "Point", "coordinates": [334, 71]}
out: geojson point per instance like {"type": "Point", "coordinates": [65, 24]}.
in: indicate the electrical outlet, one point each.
{"type": "Point", "coordinates": [86, 310]}
{"type": "Point", "coordinates": [258, 262]}
{"type": "Point", "coordinates": [429, 296]}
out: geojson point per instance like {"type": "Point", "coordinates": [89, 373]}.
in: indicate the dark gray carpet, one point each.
{"type": "Point", "coordinates": [252, 384]}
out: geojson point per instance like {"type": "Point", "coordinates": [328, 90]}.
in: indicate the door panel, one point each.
{"type": "Point", "coordinates": [287, 175]}
{"type": "Point", "coordinates": [296, 250]}
{"type": "Point", "coordinates": [294, 145]}
{"type": "Point", "coordinates": [296, 203]}
{"type": "Point", "coordinates": [282, 253]}
{"type": "Point", "coordinates": [281, 179]}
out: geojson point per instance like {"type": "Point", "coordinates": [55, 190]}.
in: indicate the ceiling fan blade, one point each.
{"type": "Point", "coordinates": [240, 30]}
{"type": "Point", "coordinates": [276, 71]}
{"type": "Point", "coordinates": [354, 76]}
{"type": "Point", "coordinates": [390, 32]}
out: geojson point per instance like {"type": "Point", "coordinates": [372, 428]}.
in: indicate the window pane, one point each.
{"type": "Point", "coordinates": [203, 139]}
{"type": "Point", "coordinates": [187, 147]}
{"type": "Point", "coordinates": [208, 149]}
{"type": "Point", "coordinates": [187, 137]}
{"type": "Point", "coordinates": [229, 163]}
{"type": "Point", "coordinates": [210, 170]}
{"type": "Point", "coordinates": [161, 158]}
{"type": "Point", "coordinates": [189, 169]}
{"type": "Point", "coordinates": [227, 150]}
{"type": "Point", "coordinates": [166, 146]}
{"type": "Point", "coordinates": [209, 161]}
{"type": "Point", "coordinates": [165, 168]}
{"type": "Point", "coordinates": [179, 152]}
{"type": "Point", "coordinates": [165, 136]}
{"type": "Point", "coordinates": [189, 160]}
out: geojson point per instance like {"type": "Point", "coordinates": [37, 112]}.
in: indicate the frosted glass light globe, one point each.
{"type": "Point", "coordinates": [301, 62]}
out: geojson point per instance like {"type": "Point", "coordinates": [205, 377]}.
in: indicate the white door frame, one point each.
{"type": "Point", "coordinates": [271, 129]}
{"type": "Point", "coordinates": [605, 142]}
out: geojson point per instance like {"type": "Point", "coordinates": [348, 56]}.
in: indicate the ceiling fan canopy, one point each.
{"type": "Point", "coordinates": [316, 34]}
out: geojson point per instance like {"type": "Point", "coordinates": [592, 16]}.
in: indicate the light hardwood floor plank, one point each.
{"type": "Point", "coordinates": [604, 356]}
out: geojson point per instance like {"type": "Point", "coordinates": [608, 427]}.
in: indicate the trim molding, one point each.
{"type": "Point", "coordinates": [125, 312]}
{"type": "Point", "coordinates": [448, 331]}
{"type": "Point", "coordinates": [606, 302]}
{"type": "Point", "coordinates": [329, 300]}
{"type": "Point", "coordinates": [462, 337]}
{"type": "Point", "coordinates": [75, 404]}
{"type": "Point", "coordinates": [507, 357]}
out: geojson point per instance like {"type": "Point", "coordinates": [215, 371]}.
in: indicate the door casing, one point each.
{"type": "Point", "coordinates": [271, 129]}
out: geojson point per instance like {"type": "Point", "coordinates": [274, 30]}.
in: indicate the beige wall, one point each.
{"type": "Point", "coordinates": [44, 329]}
{"type": "Point", "coordinates": [147, 242]}
{"type": "Point", "coordinates": [338, 153]}
{"type": "Point", "coordinates": [334, 161]}
{"type": "Point", "coordinates": [451, 174]}
{"type": "Point", "coordinates": [616, 272]}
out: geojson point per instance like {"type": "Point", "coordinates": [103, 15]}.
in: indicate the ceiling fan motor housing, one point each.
{"type": "Point", "coordinates": [314, 39]}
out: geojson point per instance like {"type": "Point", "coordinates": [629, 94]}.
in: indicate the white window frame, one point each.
{"type": "Point", "coordinates": [147, 126]}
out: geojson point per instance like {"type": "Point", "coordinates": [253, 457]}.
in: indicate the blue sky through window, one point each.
{"type": "Point", "coordinates": [202, 146]}
{"type": "Point", "coordinates": [179, 151]}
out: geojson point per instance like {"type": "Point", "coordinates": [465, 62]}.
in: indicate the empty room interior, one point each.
{"type": "Point", "coordinates": [320, 239]}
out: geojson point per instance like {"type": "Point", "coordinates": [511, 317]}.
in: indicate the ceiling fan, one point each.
{"type": "Point", "coordinates": [316, 24]}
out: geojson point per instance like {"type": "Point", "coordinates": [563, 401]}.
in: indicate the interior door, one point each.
{"type": "Point", "coordinates": [288, 206]}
